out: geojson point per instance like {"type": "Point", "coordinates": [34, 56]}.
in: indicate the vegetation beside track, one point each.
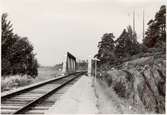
{"type": "Point", "coordinates": [16, 81]}
{"type": "Point", "coordinates": [17, 53]}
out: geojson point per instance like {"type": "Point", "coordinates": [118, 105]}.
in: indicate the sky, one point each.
{"type": "Point", "coordinates": [57, 26]}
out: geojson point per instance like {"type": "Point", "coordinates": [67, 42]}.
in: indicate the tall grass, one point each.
{"type": "Point", "coordinates": [12, 82]}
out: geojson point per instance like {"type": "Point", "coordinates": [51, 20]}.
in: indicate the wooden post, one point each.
{"type": "Point", "coordinates": [89, 66]}
{"type": "Point", "coordinates": [95, 61]}
{"type": "Point", "coordinates": [95, 69]}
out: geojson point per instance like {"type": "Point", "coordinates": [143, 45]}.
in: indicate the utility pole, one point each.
{"type": "Point", "coordinates": [134, 21]}
{"type": "Point", "coordinates": [129, 18]}
{"type": "Point", "coordinates": [143, 24]}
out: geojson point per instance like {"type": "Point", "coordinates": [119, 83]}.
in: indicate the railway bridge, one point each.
{"type": "Point", "coordinates": [70, 65]}
{"type": "Point", "coordinates": [38, 97]}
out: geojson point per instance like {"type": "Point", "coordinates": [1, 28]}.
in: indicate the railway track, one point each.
{"type": "Point", "coordinates": [36, 99]}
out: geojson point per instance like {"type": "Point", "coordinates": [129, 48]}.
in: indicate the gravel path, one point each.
{"type": "Point", "coordinates": [79, 99]}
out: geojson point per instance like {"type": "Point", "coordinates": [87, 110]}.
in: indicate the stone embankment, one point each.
{"type": "Point", "coordinates": [140, 82]}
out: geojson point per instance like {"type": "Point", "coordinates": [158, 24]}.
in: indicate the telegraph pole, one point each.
{"type": "Point", "coordinates": [129, 18]}
{"type": "Point", "coordinates": [134, 21]}
{"type": "Point", "coordinates": [143, 24]}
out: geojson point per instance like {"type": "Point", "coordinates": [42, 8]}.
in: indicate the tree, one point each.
{"type": "Point", "coordinates": [7, 40]}
{"type": "Point", "coordinates": [106, 48]}
{"type": "Point", "coordinates": [160, 17]}
{"type": "Point", "coordinates": [156, 32]}
{"type": "Point", "coordinates": [133, 46]}
{"type": "Point", "coordinates": [17, 52]}
{"type": "Point", "coordinates": [126, 44]}
{"type": "Point", "coordinates": [120, 45]}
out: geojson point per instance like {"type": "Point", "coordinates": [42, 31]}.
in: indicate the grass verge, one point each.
{"type": "Point", "coordinates": [13, 82]}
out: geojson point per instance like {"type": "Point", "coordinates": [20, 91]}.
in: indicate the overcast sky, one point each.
{"type": "Point", "coordinates": [57, 26]}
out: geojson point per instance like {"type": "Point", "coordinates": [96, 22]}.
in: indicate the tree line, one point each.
{"type": "Point", "coordinates": [111, 51]}
{"type": "Point", "coordinates": [16, 52]}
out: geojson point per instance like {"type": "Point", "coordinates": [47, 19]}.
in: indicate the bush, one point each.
{"type": "Point", "coordinates": [12, 82]}
{"type": "Point", "coordinates": [108, 79]}
{"type": "Point", "coordinates": [120, 89]}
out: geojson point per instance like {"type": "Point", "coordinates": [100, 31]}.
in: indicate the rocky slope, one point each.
{"type": "Point", "coordinates": [140, 82]}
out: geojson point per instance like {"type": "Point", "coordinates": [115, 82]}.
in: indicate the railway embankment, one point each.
{"type": "Point", "coordinates": [138, 86]}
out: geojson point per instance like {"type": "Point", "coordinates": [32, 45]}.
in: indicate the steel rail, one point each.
{"type": "Point", "coordinates": [33, 86]}
{"type": "Point", "coordinates": [41, 98]}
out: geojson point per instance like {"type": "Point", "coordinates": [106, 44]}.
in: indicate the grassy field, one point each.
{"type": "Point", "coordinates": [16, 81]}
{"type": "Point", "coordinates": [45, 73]}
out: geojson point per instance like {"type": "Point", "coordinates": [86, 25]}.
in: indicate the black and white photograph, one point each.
{"type": "Point", "coordinates": [83, 57]}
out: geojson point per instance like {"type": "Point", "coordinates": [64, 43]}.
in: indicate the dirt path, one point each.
{"type": "Point", "coordinates": [79, 99]}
